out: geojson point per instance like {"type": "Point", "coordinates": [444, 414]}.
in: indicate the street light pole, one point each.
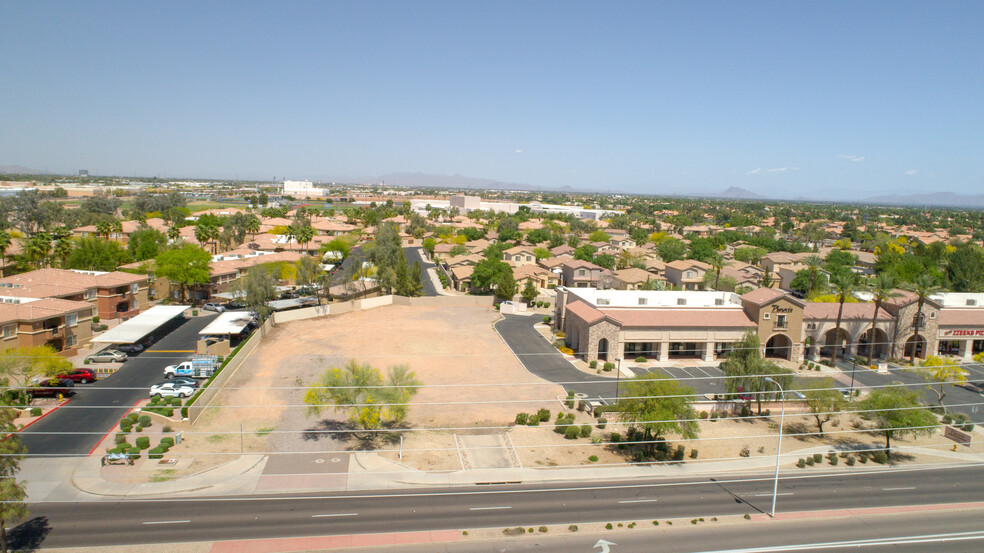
{"type": "Point", "coordinates": [782, 414]}
{"type": "Point", "coordinates": [854, 367]}
{"type": "Point", "coordinates": [618, 376]}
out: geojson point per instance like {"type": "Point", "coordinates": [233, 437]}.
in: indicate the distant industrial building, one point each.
{"type": "Point", "coordinates": [301, 189]}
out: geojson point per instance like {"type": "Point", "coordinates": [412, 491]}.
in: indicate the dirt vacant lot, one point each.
{"type": "Point", "coordinates": [444, 346]}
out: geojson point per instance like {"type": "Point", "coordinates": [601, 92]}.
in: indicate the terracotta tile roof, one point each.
{"type": "Point", "coordinates": [560, 250]}
{"type": "Point", "coordinates": [580, 264]}
{"type": "Point", "coordinates": [633, 275]}
{"type": "Point", "coordinates": [552, 262]}
{"type": "Point", "coordinates": [227, 266]}
{"type": "Point", "coordinates": [462, 272]}
{"type": "Point", "coordinates": [852, 312]}
{"type": "Point", "coordinates": [962, 317]}
{"type": "Point", "coordinates": [762, 296]}
{"type": "Point", "coordinates": [680, 318]}
{"type": "Point", "coordinates": [684, 264]}
{"type": "Point", "coordinates": [585, 312]}
{"type": "Point", "coordinates": [40, 309]}
{"type": "Point", "coordinates": [62, 277]}
{"type": "Point", "coordinates": [42, 291]}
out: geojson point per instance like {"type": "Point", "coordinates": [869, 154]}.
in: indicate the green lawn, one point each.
{"type": "Point", "coordinates": [195, 207]}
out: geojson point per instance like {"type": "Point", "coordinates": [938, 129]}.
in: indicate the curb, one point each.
{"type": "Point", "coordinates": [112, 429]}
{"type": "Point", "coordinates": [45, 414]}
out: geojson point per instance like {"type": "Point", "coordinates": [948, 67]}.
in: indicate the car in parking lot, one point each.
{"type": "Point", "coordinates": [130, 349]}
{"type": "Point", "coordinates": [845, 392]}
{"type": "Point", "coordinates": [171, 389]}
{"type": "Point", "coordinates": [82, 376]}
{"type": "Point", "coordinates": [107, 356]}
{"type": "Point", "coordinates": [183, 381]}
{"type": "Point", "coordinates": [51, 388]}
{"type": "Point", "coordinates": [218, 308]}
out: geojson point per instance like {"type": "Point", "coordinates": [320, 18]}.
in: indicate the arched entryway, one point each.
{"type": "Point", "coordinates": [915, 346]}
{"type": "Point", "coordinates": [603, 349]}
{"type": "Point", "coordinates": [875, 340]}
{"type": "Point", "coordinates": [779, 347]}
{"type": "Point", "coordinates": [834, 338]}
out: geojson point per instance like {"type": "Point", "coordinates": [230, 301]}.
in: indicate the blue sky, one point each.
{"type": "Point", "coordinates": [839, 100]}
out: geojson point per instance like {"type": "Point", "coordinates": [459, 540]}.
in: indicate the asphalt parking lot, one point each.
{"type": "Point", "coordinates": [75, 428]}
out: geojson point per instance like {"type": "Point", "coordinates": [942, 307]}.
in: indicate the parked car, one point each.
{"type": "Point", "coordinates": [794, 394]}
{"type": "Point", "coordinates": [51, 388]}
{"type": "Point", "coordinates": [130, 349]}
{"type": "Point", "coordinates": [214, 307]}
{"type": "Point", "coordinates": [171, 389]}
{"type": "Point", "coordinates": [82, 376]}
{"type": "Point", "coordinates": [107, 356]}
{"type": "Point", "coordinates": [845, 392]}
{"type": "Point", "coordinates": [183, 381]}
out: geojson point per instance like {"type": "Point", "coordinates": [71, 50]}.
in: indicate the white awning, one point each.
{"type": "Point", "coordinates": [143, 324]}
{"type": "Point", "coordinates": [230, 322]}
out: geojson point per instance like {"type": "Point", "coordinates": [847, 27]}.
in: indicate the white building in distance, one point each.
{"type": "Point", "coordinates": [301, 189]}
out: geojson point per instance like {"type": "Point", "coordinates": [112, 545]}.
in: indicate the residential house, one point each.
{"type": "Point", "coordinates": [578, 273]}
{"type": "Point", "coordinates": [519, 255]}
{"type": "Point", "coordinates": [632, 279]}
{"type": "Point", "coordinates": [542, 278]}
{"type": "Point", "coordinates": [63, 325]}
{"type": "Point", "coordinates": [687, 274]}
{"type": "Point", "coordinates": [113, 295]}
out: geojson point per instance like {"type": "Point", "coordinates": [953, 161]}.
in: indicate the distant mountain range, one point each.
{"type": "Point", "coordinates": [938, 199]}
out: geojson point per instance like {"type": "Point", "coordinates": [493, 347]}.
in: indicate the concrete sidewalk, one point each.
{"type": "Point", "coordinates": [80, 479]}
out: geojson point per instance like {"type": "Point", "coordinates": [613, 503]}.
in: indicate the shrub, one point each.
{"type": "Point", "coordinates": [120, 438]}
{"type": "Point", "coordinates": [810, 461]}
{"type": "Point", "coordinates": [693, 453]}
{"type": "Point", "coordinates": [585, 430]}
{"type": "Point", "coordinates": [602, 423]}
{"type": "Point", "coordinates": [678, 454]}
{"type": "Point", "coordinates": [609, 366]}
{"type": "Point", "coordinates": [126, 425]}
{"type": "Point", "coordinates": [134, 452]}
{"type": "Point", "coordinates": [833, 460]}
{"type": "Point", "coordinates": [95, 319]}
{"type": "Point", "coordinates": [863, 459]}
{"type": "Point", "coordinates": [572, 528]}
{"type": "Point", "coordinates": [693, 521]}
{"type": "Point", "coordinates": [138, 428]}
{"type": "Point", "coordinates": [571, 432]}
{"type": "Point", "coordinates": [745, 452]}
{"type": "Point", "coordinates": [880, 457]}
{"type": "Point", "coordinates": [167, 440]}
{"type": "Point", "coordinates": [35, 411]}
{"type": "Point", "coordinates": [530, 530]}
{"type": "Point", "coordinates": [538, 303]}
{"type": "Point", "coordinates": [543, 415]}
{"type": "Point", "coordinates": [175, 402]}
{"type": "Point", "coordinates": [566, 351]}
{"type": "Point", "coordinates": [543, 529]}
{"type": "Point", "coordinates": [850, 461]}
{"type": "Point", "coordinates": [817, 457]}
{"type": "Point", "coordinates": [967, 426]}
{"type": "Point", "coordinates": [143, 442]}
{"type": "Point", "coordinates": [560, 335]}
{"type": "Point", "coordinates": [546, 304]}
{"type": "Point", "coordinates": [184, 412]}
{"type": "Point", "coordinates": [522, 418]}
{"type": "Point", "coordinates": [615, 437]}
{"type": "Point", "coordinates": [593, 458]}
{"type": "Point", "coordinates": [655, 523]}
{"type": "Point", "coordinates": [640, 359]}
{"type": "Point", "coordinates": [593, 364]}
{"type": "Point", "coordinates": [194, 312]}
{"type": "Point", "coordinates": [133, 417]}
{"type": "Point", "coordinates": [947, 419]}
{"type": "Point", "coordinates": [156, 453]}
{"type": "Point", "coordinates": [747, 517]}
{"type": "Point", "coordinates": [517, 531]}
{"type": "Point", "coordinates": [167, 428]}
{"type": "Point", "coordinates": [608, 526]}
{"type": "Point", "coordinates": [144, 420]}
{"type": "Point", "coordinates": [801, 463]}
{"type": "Point", "coordinates": [546, 319]}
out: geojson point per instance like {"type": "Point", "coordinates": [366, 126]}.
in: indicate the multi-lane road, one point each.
{"type": "Point", "coordinates": [236, 518]}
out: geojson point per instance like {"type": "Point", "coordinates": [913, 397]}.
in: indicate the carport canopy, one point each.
{"type": "Point", "coordinates": [230, 322]}
{"type": "Point", "coordinates": [143, 324]}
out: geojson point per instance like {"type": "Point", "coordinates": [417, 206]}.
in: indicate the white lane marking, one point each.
{"type": "Point", "coordinates": [335, 515]}
{"type": "Point", "coordinates": [893, 489]}
{"type": "Point", "coordinates": [770, 495]}
{"type": "Point", "coordinates": [167, 522]}
{"type": "Point", "coordinates": [639, 501]}
{"type": "Point", "coordinates": [488, 508]}
{"type": "Point", "coordinates": [857, 544]}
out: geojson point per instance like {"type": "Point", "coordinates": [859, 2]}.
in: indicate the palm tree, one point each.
{"type": "Point", "coordinates": [253, 226]}
{"type": "Point", "coordinates": [882, 289]}
{"type": "Point", "coordinates": [104, 228]}
{"type": "Point", "coordinates": [813, 263]}
{"type": "Point", "coordinates": [844, 287]}
{"type": "Point", "coordinates": [202, 234]}
{"type": "Point", "coordinates": [116, 227]}
{"type": "Point", "coordinates": [925, 285]}
{"type": "Point", "coordinates": [37, 248]}
{"type": "Point", "coordinates": [717, 262]}
{"type": "Point", "coordinates": [304, 235]}
{"type": "Point", "coordinates": [290, 234]}
{"type": "Point", "coordinates": [173, 233]}
{"type": "Point", "coordinates": [63, 243]}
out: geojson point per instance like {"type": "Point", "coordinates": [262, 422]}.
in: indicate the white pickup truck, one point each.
{"type": "Point", "coordinates": [201, 366]}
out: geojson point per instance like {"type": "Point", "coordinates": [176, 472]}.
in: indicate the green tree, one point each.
{"type": "Point", "coordinates": [257, 287]}
{"type": "Point", "coordinates": [717, 263]}
{"type": "Point", "coordinates": [599, 236]}
{"type": "Point", "coordinates": [36, 249]}
{"type": "Point", "coordinates": [185, 266]}
{"type": "Point", "coordinates": [360, 389]}
{"type": "Point", "coordinates": [897, 413]}
{"type": "Point", "coordinates": [882, 290]}
{"type": "Point", "coordinates": [605, 260]}
{"type": "Point", "coordinates": [939, 372]}
{"type": "Point", "coordinates": [925, 286]}
{"type": "Point", "coordinates": [428, 245]}
{"type": "Point", "coordinates": [496, 276]}
{"type": "Point", "coordinates": [385, 253]}
{"type": "Point", "coordinates": [13, 497]}
{"type": "Point", "coordinates": [21, 365]}
{"type": "Point", "coordinates": [813, 265]}
{"type": "Point", "coordinates": [4, 244]}
{"type": "Point", "coordinates": [530, 292]}
{"type": "Point", "coordinates": [308, 270]}
{"type": "Point", "coordinates": [253, 225]}
{"type": "Point", "coordinates": [965, 268]}
{"type": "Point", "coordinates": [671, 249]}
{"type": "Point", "coordinates": [659, 405]}
{"type": "Point", "coordinates": [823, 401]}
{"type": "Point", "coordinates": [146, 243]}
{"type": "Point", "coordinates": [304, 235]}
{"type": "Point", "coordinates": [745, 371]}
{"type": "Point", "coordinates": [96, 254]}
{"type": "Point", "coordinates": [844, 288]}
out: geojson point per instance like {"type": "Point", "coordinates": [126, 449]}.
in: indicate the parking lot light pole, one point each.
{"type": "Point", "coordinates": [618, 375]}
{"type": "Point", "coordinates": [782, 414]}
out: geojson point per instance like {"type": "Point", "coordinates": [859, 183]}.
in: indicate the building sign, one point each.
{"type": "Point", "coordinates": [962, 333]}
{"type": "Point", "coordinates": [777, 309]}
{"type": "Point", "coordinates": [958, 436]}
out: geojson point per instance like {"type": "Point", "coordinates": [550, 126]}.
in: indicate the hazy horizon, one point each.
{"type": "Point", "coordinates": [839, 101]}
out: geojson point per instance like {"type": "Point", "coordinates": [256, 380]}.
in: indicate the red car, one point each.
{"type": "Point", "coordinates": [81, 376]}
